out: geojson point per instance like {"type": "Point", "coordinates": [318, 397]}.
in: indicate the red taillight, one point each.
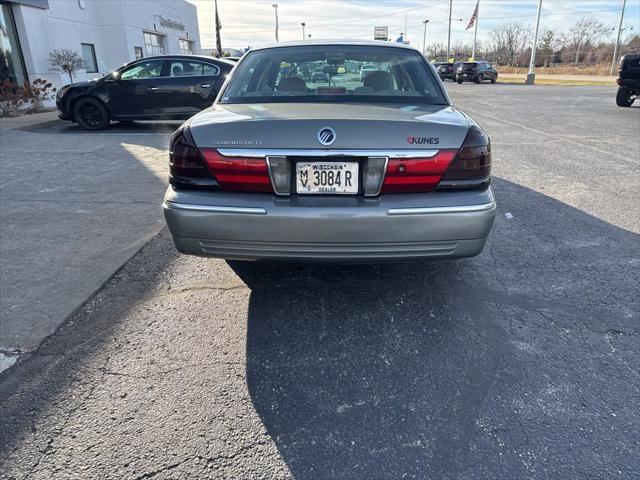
{"type": "Point", "coordinates": [186, 168]}
{"type": "Point", "coordinates": [238, 173]}
{"type": "Point", "coordinates": [416, 174]}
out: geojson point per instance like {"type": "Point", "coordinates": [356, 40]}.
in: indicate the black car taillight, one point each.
{"type": "Point", "coordinates": [186, 165]}
{"type": "Point", "coordinates": [471, 167]}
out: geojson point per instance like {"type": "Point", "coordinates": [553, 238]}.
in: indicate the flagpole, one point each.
{"type": "Point", "coordinates": [275, 7]}
{"type": "Point", "coordinates": [475, 31]}
{"type": "Point", "coordinates": [405, 28]}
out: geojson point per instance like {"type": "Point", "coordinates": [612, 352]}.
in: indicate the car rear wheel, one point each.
{"type": "Point", "coordinates": [90, 114]}
{"type": "Point", "coordinates": [494, 78]}
{"type": "Point", "coordinates": [478, 79]}
{"type": "Point", "coordinates": [624, 97]}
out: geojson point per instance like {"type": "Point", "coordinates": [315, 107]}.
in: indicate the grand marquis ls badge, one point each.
{"type": "Point", "coordinates": [326, 135]}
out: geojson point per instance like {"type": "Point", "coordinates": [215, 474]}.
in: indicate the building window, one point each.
{"type": "Point", "coordinates": [11, 66]}
{"type": "Point", "coordinates": [89, 55]}
{"type": "Point", "coordinates": [153, 43]}
{"type": "Point", "coordinates": [186, 47]}
{"type": "Point", "coordinates": [138, 52]}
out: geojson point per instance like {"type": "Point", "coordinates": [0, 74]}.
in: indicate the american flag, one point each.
{"type": "Point", "coordinates": [218, 28]}
{"type": "Point", "coordinates": [474, 17]}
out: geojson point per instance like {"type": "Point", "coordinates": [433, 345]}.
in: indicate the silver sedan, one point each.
{"type": "Point", "coordinates": [291, 165]}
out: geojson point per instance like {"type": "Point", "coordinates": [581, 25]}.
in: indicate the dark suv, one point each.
{"type": "Point", "coordinates": [172, 87]}
{"type": "Point", "coordinates": [476, 72]}
{"type": "Point", "coordinates": [445, 70]}
{"type": "Point", "coordinates": [628, 80]}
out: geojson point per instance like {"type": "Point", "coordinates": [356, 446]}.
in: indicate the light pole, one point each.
{"type": "Point", "coordinates": [531, 76]}
{"type": "Point", "coordinates": [424, 37]}
{"type": "Point", "coordinates": [275, 7]}
{"type": "Point", "coordinates": [449, 35]}
{"type": "Point", "coordinates": [303, 35]}
{"type": "Point", "coordinates": [615, 50]}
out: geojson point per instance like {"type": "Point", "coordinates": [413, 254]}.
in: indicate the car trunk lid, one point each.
{"type": "Point", "coordinates": [356, 126]}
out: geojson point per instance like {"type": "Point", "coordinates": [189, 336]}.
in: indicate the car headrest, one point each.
{"type": "Point", "coordinates": [363, 90]}
{"type": "Point", "coordinates": [292, 84]}
{"type": "Point", "coordinates": [378, 80]}
{"type": "Point", "coordinates": [176, 71]}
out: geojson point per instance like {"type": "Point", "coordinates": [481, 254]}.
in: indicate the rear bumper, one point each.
{"type": "Point", "coordinates": [392, 227]}
{"type": "Point", "coordinates": [630, 83]}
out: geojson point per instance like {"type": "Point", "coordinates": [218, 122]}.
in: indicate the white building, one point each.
{"type": "Point", "coordinates": [107, 33]}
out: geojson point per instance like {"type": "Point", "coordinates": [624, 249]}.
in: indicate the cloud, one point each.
{"type": "Point", "coordinates": [252, 22]}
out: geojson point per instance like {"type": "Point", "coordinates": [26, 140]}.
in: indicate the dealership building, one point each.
{"type": "Point", "coordinates": [106, 33]}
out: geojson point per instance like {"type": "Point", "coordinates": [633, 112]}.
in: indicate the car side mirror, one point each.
{"type": "Point", "coordinates": [113, 77]}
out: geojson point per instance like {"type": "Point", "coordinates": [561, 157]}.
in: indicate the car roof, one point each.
{"type": "Point", "coordinates": [307, 43]}
{"type": "Point", "coordinates": [206, 58]}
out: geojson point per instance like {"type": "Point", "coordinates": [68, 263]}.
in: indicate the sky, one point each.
{"type": "Point", "coordinates": [252, 22]}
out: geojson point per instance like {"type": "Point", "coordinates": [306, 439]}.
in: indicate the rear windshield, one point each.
{"type": "Point", "coordinates": [335, 73]}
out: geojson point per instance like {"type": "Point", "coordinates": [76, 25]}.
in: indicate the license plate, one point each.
{"type": "Point", "coordinates": [327, 177]}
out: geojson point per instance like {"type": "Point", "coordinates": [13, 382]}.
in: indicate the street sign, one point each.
{"type": "Point", "coordinates": [381, 33]}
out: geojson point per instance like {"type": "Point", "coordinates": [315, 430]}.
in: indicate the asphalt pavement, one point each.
{"type": "Point", "coordinates": [76, 206]}
{"type": "Point", "coordinates": [523, 362]}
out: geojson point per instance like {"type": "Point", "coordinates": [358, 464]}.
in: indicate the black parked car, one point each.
{"type": "Point", "coordinates": [476, 72]}
{"type": "Point", "coordinates": [319, 77]}
{"type": "Point", "coordinates": [445, 70]}
{"type": "Point", "coordinates": [628, 80]}
{"type": "Point", "coordinates": [171, 87]}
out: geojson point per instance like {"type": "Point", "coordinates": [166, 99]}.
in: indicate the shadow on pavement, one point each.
{"type": "Point", "coordinates": [66, 127]}
{"type": "Point", "coordinates": [415, 370]}
{"type": "Point", "coordinates": [370, 372]}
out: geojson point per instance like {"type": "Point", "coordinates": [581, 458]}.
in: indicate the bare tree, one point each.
{"type": "Point", "coordinates": [509, 41]}
{"type": "Point", "coordinates": [461, 51]}
{"type": "Point", "coordinates": [547, 45]}
{"type": "Point", "coordinates": [66, 61]}
{"type": "Point", "coordinates": [583, 34]}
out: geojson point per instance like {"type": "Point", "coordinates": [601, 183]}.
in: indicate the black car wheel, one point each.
{"type": "Point", "coordinates": [478, 79]}
{"type": "Point", "coordinates": [624, 97]}
{"type": "Point", "coordinates": [494, 78]}
{"type": "Point", "coordinates": [90, 114]}
{"type": "Point", "coordinates": [459, 81]}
